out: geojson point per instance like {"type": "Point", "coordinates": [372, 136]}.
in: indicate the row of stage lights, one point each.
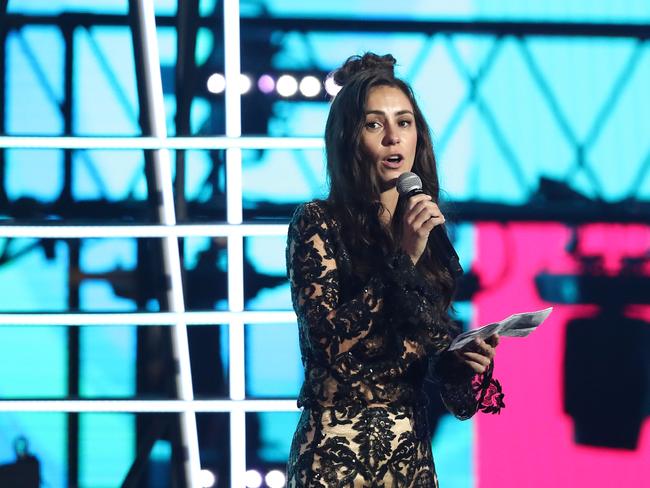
{"type": "Point", "coordinates": [284, 85]}
{"type": "Point", "coordinates": [273, 479]}
{"type": "Point", "coordinates": [253, 479]}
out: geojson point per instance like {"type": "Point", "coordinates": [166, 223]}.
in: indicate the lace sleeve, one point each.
{"type": "Point", "coordinates": [329, 326]}
{"type": "Point", "coordinates": [463, 392]}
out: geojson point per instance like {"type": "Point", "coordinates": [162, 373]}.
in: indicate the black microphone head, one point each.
{"type": "Point", "coordinates": [408, 182]}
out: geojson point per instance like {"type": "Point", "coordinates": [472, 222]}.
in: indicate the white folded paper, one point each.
{"type": "Point", "coordinates": [517, 325]}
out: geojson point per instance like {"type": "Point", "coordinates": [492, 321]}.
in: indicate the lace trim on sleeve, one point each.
{"type": "Point", "coordinates": [463, 392]}
{"type": "Point", "coordinates": [488, 392]}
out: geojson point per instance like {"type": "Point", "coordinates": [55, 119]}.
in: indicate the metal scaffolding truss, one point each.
{"type": "Point", "coordinates": [445, 34]}
{"type": "Point", "coordinates": [159, 145]}
{"type": "Point", "coordinates": [153, 122]}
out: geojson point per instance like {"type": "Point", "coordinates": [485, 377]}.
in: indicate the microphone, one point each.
{"type": "Point", "coordinates": [410, 184]}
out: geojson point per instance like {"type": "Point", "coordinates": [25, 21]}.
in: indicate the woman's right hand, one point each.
{"type": "Point", "coordinates": [420, 217]}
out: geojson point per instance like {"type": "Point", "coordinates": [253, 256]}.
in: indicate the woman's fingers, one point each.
{"type": "Point", "coordinates": [425, 214]}
{"type": "Point", "coordinates": [486, 349]}
{"type": "Point", "coordinates": [420, 217]}
{"type": "Point", "coordinates": [421, 204]}
{"type": "Point", "coordinates": [428, 218]}
{"type": "Point", "coordinates": [415, 200]}
{"type": "Point", "coordinates": [479, 353]}
{"type": "Point", "coordinates": [476, 366]}
{"type": "Point", "coordinates": [477, 358]}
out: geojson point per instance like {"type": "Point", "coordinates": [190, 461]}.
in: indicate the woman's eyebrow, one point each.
{"type": "Point", "coordinates": [381, 112]}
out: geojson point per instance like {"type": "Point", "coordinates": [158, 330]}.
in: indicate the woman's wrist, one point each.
{"type": "Point", "coordinates": [452, 367]}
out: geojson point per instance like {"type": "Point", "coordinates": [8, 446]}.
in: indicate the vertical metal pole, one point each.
{"type": "Point", "coordinates": [74, 246]}
{"type": "Point", "coordinates": [167, 216]}
{"type": "Point", "coordinates": [186, 30]}
{"type": "Point", "coordinates": [235, 244]}
{"type": "Point", "coordinates": [4, 28]}
{"type": "Point", "coordinates": [74, 349]}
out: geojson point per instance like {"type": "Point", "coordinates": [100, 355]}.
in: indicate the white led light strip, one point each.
{"type": "Point", "coordinates": [146, 318]}
{"type": "Point", "coordinates": [216, 142]}
{"type": "Point", "coordinates": [136, 231]}
{"type": "Point", "coordinates": [148, 406]}
{"type": "Point", "coordinates": [170, 250]}
{"type": "Point", "coordinates": [237, 378]}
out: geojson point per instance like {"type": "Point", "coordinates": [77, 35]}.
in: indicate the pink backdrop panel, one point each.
{"type": "Point", "coordinates": [531, 443]}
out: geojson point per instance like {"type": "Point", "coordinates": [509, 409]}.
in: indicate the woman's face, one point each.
{"type": "Point", "coordinates": [389, 135]}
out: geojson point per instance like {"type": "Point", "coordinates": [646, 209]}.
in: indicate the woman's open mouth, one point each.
{"type": "Point", "coordinates": [394, 161]}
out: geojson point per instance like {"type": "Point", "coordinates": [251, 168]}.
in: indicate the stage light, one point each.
{"type": "Point", "coordinates": [266, 84]}
{"type": "Point", "coordinates": [331, 87]}
{"type": "Point", "coordinates": [245, 84]}
{"type": "Point", "coordinates": [207, 478]}
{"type": "Point", "coordinates": [216, 83]}
{"type": "Point", "coordinates": [310, 86]}
{"type": "Point", "coordinates": [286, 86]}
{"type": "Point", "coordinates": [253, 479]}
{"type": "Point", "coordinates": [275, 478]}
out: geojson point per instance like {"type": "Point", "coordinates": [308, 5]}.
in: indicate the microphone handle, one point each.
{"type": "Point", "coordinates": [447, 251]}
{"type": "Point", "coordinates": [440, 242]}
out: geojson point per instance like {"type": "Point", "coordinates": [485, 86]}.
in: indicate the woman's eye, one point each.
{"type": "Point", "coordinates": [373, 125]}
{"type": "Point", "coordinates": [404, 123]}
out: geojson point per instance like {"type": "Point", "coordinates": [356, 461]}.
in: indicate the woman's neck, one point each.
{"type": "Point", "coordinates": [388, 200]}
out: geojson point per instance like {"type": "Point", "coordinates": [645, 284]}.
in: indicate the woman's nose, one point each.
{"type": "Point", "coordinates": [391, 136]}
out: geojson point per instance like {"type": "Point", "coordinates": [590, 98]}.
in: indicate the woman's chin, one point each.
{"type": "Point", "coordinates": [389, 178]}
{"type": "Point", "coordinates": [388, 183]}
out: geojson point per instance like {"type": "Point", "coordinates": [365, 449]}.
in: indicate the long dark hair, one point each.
{"type": "Point", "coordinates": [355, 189]}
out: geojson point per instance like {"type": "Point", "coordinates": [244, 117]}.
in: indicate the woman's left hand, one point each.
{"type": "Point", "coordinates": [479, 353]}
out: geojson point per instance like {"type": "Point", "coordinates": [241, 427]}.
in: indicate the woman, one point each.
{"type": "Point", "coordinates": [372, 300]}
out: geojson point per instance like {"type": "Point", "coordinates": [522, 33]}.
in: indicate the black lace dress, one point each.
{"type": "Point", "coordinates": [366, 348]}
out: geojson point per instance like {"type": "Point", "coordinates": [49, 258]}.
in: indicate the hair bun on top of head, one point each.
{"type": "Point", "coordinates": [368, 62]}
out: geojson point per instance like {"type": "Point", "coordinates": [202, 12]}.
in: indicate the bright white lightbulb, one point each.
{"type": "Point", "coordinates": [207, 478]}
{"type": "Point", "coordinates": [331, 87]}
{"type": "Point", "coordinates": [266, 84]}
{"type": "Point", "coordinates": [244, 84]}
{"type": "Point", "coordinates": [253, 479]}
{"type": "Point", "coordinates": [275, 478]}
{"type": "Point", "coordinates": [286, 85]}
{"type": "Point", "coordinates": [310, 86]}
{"type": "Point", "coordinates": [216, 83]}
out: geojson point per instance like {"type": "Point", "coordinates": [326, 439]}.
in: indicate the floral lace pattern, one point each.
{"type": "Point", "coordinates": [366, 349]}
